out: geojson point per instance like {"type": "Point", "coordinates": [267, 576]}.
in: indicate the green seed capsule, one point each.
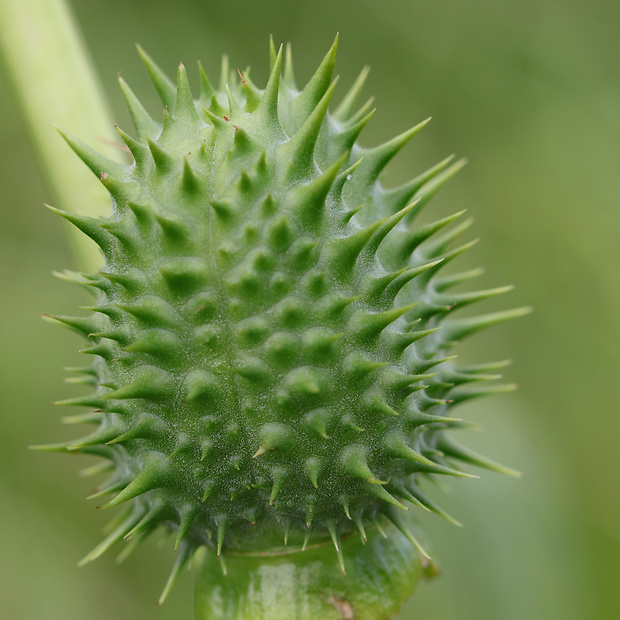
{"type": "Point", "coordinates": [262, 329]}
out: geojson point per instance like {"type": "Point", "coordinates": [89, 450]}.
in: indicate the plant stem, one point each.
{"type": "Point", "coordinates": [51, 75]}
{"type": "Point", "coordinates": [310, 585]}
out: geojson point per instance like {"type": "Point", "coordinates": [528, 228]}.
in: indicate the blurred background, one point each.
{"type": "Point", "coordinates": [529, 91]}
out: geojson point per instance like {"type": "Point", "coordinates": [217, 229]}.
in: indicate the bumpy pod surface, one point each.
{"type": "Point", "coordinates": [270, 335]}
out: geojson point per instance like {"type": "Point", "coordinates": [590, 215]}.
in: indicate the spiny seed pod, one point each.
{"type": "Point", "coordinates": [271, 345]}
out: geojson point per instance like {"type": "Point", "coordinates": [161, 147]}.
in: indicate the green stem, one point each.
{"type": "Point", "coordinates": [309, 585]}
{"type": "Point", "coordinates": [51, 75]}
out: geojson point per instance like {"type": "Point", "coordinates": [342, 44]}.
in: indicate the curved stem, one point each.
{"type": "Point", "coordinates": [51, 75]}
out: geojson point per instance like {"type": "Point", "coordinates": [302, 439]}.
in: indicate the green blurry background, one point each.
{"type": "Point", "coordinates": [529, 91]}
